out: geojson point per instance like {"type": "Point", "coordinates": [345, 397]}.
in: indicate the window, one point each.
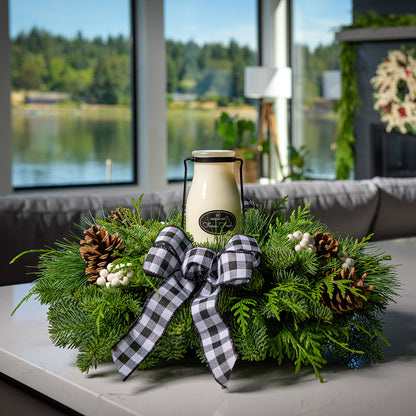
{"type": "Point", "coordinates": [316, 80]}
{"type": "Point", "coordinates": [208, 44]}
{"type": "Point", "coordinates": [71, 93]}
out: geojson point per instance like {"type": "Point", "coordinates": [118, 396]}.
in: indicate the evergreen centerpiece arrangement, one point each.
{"type": "Point", "coordinates": [313, 295]}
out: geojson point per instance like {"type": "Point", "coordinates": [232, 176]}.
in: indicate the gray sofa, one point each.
{"type": "Point", "coordinates": [383, 206]}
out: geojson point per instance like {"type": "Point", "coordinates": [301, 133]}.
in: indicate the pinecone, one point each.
{"type": "Point", "coordinates": [339, 304]}
{"type": "Point", "coordinates": [326, 245]}
{"type": "Point", "coordinates": [98, 249]}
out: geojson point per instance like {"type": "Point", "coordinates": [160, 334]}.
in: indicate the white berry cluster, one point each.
{"type": "Point", "coordinates": [305, 241]}
{"type": "Point", "coordinates": [115, 275]}
{"type": "Point", "coordinates": [346, 261]}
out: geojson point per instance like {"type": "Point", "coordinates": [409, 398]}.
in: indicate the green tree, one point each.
{"type": "Point", "coordinates": [111, 80]}
{"type": "Point", "coordinates": [79, 82]}
{"type": "Point", "coordinates": [57, 72]}
{"type": "Point", "coordinates": [172, 75]}
{"type": "Point", "coordinates": [42, 60]}
{"type": "Point", "coordinates": [237, 58]}
{"type": "Point", "coordinates": [32, 71]}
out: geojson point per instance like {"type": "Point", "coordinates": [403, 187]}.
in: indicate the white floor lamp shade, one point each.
{"type": "Point", "coordinates": [266, 82]}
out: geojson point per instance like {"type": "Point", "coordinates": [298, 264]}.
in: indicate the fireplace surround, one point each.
{"type": "Point", "coordinates": [378, 153]}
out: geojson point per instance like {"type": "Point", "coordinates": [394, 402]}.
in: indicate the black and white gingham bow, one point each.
{"type": "Point", "coordinates": [181, 265]}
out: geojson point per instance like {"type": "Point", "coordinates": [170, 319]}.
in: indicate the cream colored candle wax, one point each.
{"type": "Point", "coordinates": [213, 205]}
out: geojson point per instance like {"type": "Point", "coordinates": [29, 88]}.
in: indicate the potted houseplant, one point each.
{"type": "Point", "coordinates": [240, 135]}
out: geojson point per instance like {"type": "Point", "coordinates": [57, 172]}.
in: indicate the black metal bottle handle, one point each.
{"type": "Point", "coordinates": [211, 160]}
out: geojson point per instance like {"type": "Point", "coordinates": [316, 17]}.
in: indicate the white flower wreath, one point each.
{"type": "Point", "coordinates": [395, 91]}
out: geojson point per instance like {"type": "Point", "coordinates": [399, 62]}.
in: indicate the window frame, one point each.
{"type": "Point", "coordinates": [149, 79]}
{"type": "Point", "coordinates": [133, 108]}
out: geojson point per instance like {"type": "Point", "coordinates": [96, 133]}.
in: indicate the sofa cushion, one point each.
{"type": "Point", "coordinates": [34, 221]}
{"type": "Point", "coordinates": [346, 207]}
{"type": "Point", "coordinates": [396, 216]}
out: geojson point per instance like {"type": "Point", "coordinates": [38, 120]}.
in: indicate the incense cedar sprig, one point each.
{"type": "Point", "coordinates": [351, 295]}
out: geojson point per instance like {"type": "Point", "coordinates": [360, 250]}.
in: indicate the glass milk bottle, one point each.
{"type": "Point", "coordinates": [213, 205]}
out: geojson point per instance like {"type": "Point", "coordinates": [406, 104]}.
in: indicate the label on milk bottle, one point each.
{"type": "Point", "coordinates": [217, 221]}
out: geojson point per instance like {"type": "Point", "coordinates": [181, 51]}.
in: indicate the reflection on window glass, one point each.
{"type": "Point", "coordinates": [316, 83]}
{"type": "Point", "coordinates": [208, 44]}
{"type": "Point", "coordinates": [71, 92]}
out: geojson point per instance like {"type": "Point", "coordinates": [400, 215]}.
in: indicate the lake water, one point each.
{"type": "Point", "coordinates": [55, 149]}
{"type": "Point", "coordinates": [64, 149]}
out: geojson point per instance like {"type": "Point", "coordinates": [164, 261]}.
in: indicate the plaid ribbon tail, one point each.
{"type": "Point", "coordinates": [163, 260]}
{"type": "Point", "coordinates": [233, 267]}
{"type": "Point", "coordinates": [214, 334]}
{"type": "Point", "coordinates": [134, 346]}
{"type": "Point", "coordinates": [173, 258]}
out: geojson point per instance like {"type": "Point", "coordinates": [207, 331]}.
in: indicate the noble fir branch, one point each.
{"type": "Point", "coordinates": [224, 300]}
{"type": "Point", "coordinates": [174, 217]}
{"type": "Point", "coordinates": [96, 348]}
{"type": "Point", "coordinates": [286, 299]}
{"type": "Point", "coordinates": [279, 253]}
{"type": "Point", "coordinates": [354, 247]}
{"type": "Point", "coordinates": [69, 325]}
{"type": "Point", "coordinates": [300, 218]}
{"type": "Point", "coordinates": [383, 278]}
{"type": "Point", "coordinates": [306, 264]}
{"type": "Point", "coordinates": [172, 346]}
{"type": "Point", "coordinates": [217, 245]}
{"type": "Point", "coordinates": [178, 338]}
{"type": "Point", "coordinates": [380, 274]}
{"type": "Point", "coordinates": [318, 311]}
{"type": "Point", "coordinates": [61, 270]}
{"type": "Point", "coordinates": [257, 280]}
{"type": "Point", "coordinates": [252, 344]}
{"type": "Point", "coordinates": [109, 306]}
{"type": "Point", "coordinates": [366, 336]}
{"type": "Point", "coordinates": [257, 221]}
{"type": "Point", "coordinates": [277, 256]}
{"type": "Point", "coordinates": [181, 322]}
{"type": "Point", "coordinates": [139, 237]}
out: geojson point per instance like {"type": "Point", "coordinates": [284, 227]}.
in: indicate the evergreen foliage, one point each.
{"type": "Point", "coordinates": [278, 315]}
{"type": "Point", "coordinates": [98, 70]}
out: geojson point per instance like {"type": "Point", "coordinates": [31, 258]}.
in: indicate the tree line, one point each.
{"type": "Point", "coordinates": [212, 71]}
{"type": "Point", "coordinates": [95, 71]}
{"type": "Point", "coordinates": [99, 70]}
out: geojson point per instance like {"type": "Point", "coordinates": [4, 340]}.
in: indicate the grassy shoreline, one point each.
{"type": "Point", "coordinates": [118, 111]}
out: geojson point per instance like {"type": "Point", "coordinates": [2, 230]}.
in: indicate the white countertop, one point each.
{"type": "Point", "coordinates": [187, 388]}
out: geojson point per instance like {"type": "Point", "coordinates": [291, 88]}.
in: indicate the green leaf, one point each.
{"type": "Point", "coordinates": [243, 311]}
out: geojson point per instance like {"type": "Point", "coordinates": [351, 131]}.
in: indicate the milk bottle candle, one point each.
{"type": "Point", "coordinates": [213, 205]}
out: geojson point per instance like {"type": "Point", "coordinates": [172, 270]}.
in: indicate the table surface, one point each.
{"type": "Point", "coordinates": [187, 388]}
